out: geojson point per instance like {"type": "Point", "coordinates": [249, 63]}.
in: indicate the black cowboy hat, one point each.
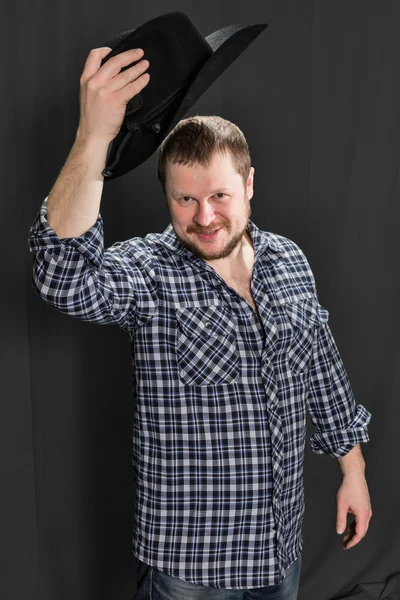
{"type": "Point", "coordinates": [183, 65]}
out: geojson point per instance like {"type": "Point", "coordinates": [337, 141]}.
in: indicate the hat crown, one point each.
{"type": "Point", "coordinates": [176, 51]}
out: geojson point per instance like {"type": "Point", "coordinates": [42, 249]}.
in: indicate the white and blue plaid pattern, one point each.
{"type": "Point", "coordinates": [221, 398]}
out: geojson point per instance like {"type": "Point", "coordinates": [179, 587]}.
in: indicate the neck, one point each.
{"type": "Point", "coordinates": [241, 263]}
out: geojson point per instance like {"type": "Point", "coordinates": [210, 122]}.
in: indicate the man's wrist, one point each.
{"type": "Point", "coordinates": [353, 462]}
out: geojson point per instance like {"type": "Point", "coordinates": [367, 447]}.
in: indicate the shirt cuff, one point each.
{"type": "Point", "coordinates": [340, 442]}
{"type": "Point", "coordinates": [90, 244]}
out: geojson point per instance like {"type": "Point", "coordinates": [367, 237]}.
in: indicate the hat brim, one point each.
{"type": "Point", "coordinates": [228, 43]}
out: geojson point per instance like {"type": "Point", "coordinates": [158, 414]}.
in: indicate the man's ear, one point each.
{"type": "Point", "coordinates": [250, 183]}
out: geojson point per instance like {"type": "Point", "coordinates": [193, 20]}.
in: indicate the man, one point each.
{"type": "Point", "coordinates": [230, 346]}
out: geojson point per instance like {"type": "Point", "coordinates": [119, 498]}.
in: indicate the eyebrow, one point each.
{"type": "Point", "coordinates": [221, 189]}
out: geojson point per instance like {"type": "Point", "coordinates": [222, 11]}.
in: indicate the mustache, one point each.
{"type": "Point", "coordinates": [191, 230]}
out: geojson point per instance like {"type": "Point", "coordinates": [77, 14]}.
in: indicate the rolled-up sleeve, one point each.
{"type": "Point", "coordinates": [76, 276]}
{"type": "Point", "coordinates": [340, 422]}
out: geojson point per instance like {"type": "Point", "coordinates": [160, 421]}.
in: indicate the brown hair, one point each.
{"type": "Point", "coordinates": [195, 139]}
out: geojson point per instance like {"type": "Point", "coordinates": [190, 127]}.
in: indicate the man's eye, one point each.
{"type": "Point", "coordinates": [185, 197]}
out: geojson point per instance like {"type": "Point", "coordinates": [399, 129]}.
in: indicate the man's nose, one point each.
{"type": "Point", "coordinates": [204, 215]}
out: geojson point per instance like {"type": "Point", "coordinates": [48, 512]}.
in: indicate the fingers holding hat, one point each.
{"type": "Point", "coordinates": [93, 62]}
{"type": "Point", "coordinates": [105, 91]}
{"type": "Point", "coordinates": [129, 75]}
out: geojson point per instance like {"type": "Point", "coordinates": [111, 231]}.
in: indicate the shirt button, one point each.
{"type": "Point", "coordinates": [208, 324]}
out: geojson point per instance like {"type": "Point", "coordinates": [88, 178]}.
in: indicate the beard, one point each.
{"type": "Point", "coordinates": [227, 249]}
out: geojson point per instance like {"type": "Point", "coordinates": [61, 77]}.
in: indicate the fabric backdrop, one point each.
{"type": "Point", "coordinates": [317, 96]}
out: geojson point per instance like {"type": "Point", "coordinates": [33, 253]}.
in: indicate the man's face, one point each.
{"type": "Point", "coordinates": [202, 200]}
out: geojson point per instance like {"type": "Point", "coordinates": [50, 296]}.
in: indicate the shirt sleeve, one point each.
{"type": "Point", "coordinates": [341, 424]}
{"type": "Point", "coordinates": [76, 276]}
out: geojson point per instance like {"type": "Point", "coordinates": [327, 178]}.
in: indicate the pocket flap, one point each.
{"type": "Point", "coordinates": [306, 313]}
{"type": "Point", "coordinates": [212, 320]}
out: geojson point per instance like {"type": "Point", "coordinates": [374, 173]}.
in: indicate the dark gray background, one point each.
{"type": "Point", "coordinates": [317, 96]}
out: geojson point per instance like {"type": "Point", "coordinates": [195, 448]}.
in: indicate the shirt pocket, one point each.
{"type": "Point", "coordinates": [305, 316]}
{"type": "Point", "coordinates": [206, 345]}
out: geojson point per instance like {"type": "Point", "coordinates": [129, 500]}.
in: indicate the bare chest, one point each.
{"type": "Point", "coordinates": [242, 285]}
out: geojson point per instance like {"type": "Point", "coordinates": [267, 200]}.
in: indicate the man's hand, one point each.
{"type": "Point", "coordinates": [353, 497]}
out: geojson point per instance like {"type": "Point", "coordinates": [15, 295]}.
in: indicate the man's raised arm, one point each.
{"type": "Point", "coordinates": [74, 202]}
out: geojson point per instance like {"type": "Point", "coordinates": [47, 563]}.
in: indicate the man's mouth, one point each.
{"type": "Point", "coordinates": [209, 236]}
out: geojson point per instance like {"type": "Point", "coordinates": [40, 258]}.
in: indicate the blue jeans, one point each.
{"type": "Point", "coordinates": [153, 584]}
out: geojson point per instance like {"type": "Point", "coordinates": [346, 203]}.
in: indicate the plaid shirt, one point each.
{"type": "Point", "coordinates": [221, 397]}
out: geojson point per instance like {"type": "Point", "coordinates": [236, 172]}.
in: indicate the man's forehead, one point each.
{"type": "Point", "coordinates": [220, 181]}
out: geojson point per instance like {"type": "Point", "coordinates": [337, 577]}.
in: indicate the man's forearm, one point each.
{"type": "Point", "coordinates": [352, 462]}
{"type": "Point", "coordinates": [74, 202]}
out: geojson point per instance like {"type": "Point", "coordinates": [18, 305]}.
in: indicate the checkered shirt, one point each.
{"type": "Point", "coordinates": [221, 396]}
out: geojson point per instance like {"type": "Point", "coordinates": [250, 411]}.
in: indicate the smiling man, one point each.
{"type": "Point", "coordinates": [209, 217]}
{"type": "Point", "coordinates": [230, 347]}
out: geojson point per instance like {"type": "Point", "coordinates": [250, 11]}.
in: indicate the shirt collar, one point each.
{"type": "Point", "coordinates": [262, 240]}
